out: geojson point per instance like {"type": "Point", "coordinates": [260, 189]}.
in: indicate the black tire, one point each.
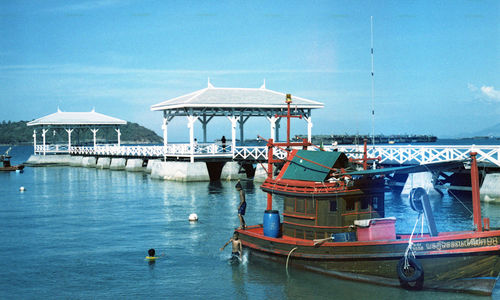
{"type": "Point", "coordinates": [416, 199]}
{"type": "Point", "coordinates": [413, 276]}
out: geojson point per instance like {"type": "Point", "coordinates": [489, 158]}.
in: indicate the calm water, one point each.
{"type": "Point", "coordinates": [83, 233]}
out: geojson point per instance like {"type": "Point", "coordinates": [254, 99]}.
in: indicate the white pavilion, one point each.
{"type": "Point", "coordinates": [69, 121]}
{"type": "Point", "coordinates": [237, 105]}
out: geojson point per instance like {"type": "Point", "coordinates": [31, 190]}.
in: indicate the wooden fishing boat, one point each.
{"type": "Point", "coordinates": [334, 223]}
{"type": "Point", "coordinates": [6, 165]}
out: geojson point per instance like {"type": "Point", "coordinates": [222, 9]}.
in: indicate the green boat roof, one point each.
{"type": "Point", "coordinates": [301, 167]}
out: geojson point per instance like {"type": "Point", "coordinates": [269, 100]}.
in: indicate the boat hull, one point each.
{"type": "Point", "coordinates": [466, 262]}
{"type": "Point", "coordinates": [12, 168]}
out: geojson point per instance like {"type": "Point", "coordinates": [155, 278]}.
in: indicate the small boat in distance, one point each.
{"type": "Point", "coordinates": [334, 223]}
{"type": "Point", "coordinates": [5, 160]}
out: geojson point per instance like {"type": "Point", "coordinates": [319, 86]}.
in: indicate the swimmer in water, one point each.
{"type": "Point", "coordinates": [151, 255]}
{"type": "Point", "coordinates": [236, 243]}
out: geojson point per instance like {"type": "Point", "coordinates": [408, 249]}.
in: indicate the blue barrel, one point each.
{"type": "Point", "coordinates": [271, 223]}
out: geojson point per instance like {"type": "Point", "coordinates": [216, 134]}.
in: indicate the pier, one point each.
{"type": "Point", "coordinates": [389, 154]}
{"type": "Point", "coordinates": [228, 160]}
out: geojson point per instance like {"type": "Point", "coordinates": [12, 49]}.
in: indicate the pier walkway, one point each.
{"type": "Point", "coordinates": [390, 154]}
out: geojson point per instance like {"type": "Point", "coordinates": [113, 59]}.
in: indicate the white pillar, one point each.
{"type": "Point", "coordinates": [34, 141]}
{"type": "Point", "coordinates": [69, 131]}
{"type": "Point", "coordinates": [119, 135]}
{"type": "Point", "coordinates": [309, 128]}
{"type": "Point", "coordinates": [94, 132]}
{"type": "Point", "coordinates": [234, 122]}
{"type": "Point", "coordinates": [165, 134]}
{"type": "Point", "coordinates": [44, 131]}
{"type": "Point", "coordinates": [165, 137]}
{"type": "Point", "coordinates": [191, 120]}
{"type": "Point", "coordinates": [272, 123]}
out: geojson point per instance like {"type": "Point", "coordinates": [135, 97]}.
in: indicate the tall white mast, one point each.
{"type": "Point", "coordinates": [373, 89]}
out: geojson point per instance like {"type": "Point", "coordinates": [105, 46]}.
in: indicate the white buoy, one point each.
{"type": "Point", "coordinates": [193, 217]}
{"type": "Point", "coordinates": [22, 189]}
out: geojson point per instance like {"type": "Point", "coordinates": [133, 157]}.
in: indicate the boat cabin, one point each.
{"type": "Point", "coordinates": [321, 198]}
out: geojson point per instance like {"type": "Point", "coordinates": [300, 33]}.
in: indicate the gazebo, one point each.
{"type": "Point", "coordinates": [237, 105]}
{"type": "Point", "coordinates": [69, 121]}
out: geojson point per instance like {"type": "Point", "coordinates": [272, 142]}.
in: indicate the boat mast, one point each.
{"type": "Point", "coordinates": [476, 204]}
{"type": "Point", "coordinates": [271, 144]}
{"type": "Point", "coordinates": [269, 172]}
{"type": "Point", "coordinates": [373, 89]}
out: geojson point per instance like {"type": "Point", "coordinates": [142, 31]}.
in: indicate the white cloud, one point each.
{"type": "Point", "coordinates": [485, 92]}
{"type": "Point", "coordinates": [490, 92]}
{"type": "Point", "coordinates": [472, 87]}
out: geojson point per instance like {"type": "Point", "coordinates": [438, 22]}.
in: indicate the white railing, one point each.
{"type": "Point", "coordinates": [51, 149]}
{"type": "Point", "coordinates": [153, 151]}
{"type": "Point", "coordinates": [394, 154]}
{"type": "Point", "coordinates": [390, 154]}
{"type": "Point", "coordinates": [414, 154]}
{"type": "Point", "coordinates": [256, 153]}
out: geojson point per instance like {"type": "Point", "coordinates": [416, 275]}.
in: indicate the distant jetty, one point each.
{"type": "Point", "coordinates": [379, 139]}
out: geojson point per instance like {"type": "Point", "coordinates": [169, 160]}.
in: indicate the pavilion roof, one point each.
{"type": "Point", "coordinates": [61, 118]}
{"type": "Point", "coordinates": [235, 98]}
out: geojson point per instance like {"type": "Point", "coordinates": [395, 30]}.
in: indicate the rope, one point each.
{"type": "Point", "coordinates": [410, 244]}
{"type": "Point", "coordinates": [288, 257]}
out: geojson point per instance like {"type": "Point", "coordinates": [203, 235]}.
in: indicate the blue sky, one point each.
{"type": "Point", "coordinates": [437, 63]}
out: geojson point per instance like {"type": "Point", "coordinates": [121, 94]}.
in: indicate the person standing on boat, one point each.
{"type": "Point", "coordinates": [236, 243]}
{"type": "Point", "coordinates": [243, 205]}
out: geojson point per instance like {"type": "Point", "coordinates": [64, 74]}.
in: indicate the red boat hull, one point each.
{"type": "Point", "coordinates": [459, 261]}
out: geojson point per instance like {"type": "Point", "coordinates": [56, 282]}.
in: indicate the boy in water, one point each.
{"type": "Point", "coordinates": [237, 247]}
{"type": "Point", "coordinates": [151, 255]}
{"type": "Point", "coordinates": [243, 205]}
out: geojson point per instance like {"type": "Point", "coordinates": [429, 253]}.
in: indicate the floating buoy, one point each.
{"type": "Point", "coordinates": [22, 189]}
{"type": "Point", "coordinates": [193, 217]}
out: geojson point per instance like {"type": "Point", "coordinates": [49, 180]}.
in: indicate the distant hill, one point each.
{"type": "Point", "coordinates": [17, 133]}
{"type": "Point", "coordinates": [493, 131]}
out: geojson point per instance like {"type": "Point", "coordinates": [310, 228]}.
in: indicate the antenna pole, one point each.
{"type": "Point", "coordinates": [373, 89]}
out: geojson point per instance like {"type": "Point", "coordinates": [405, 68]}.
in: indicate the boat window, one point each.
{"type": "Point", "coordinates": [310, 206]}
{"type": "Point", "coordinates": [349, 204]}
{"type": "Point", "coordinates": [365, 202]}
{"type": "Point", "coordinates": [289, 204]}
{"type": "Point", "coordinates": [333, 205]}
{"type": "Point", "coordinates": [299, 205]}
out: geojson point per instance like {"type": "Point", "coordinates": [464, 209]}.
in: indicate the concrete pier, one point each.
{"type": "Point", "coordinates": [149, 167]}
{"type": "Point", "coordinates": [230, 171]}
{"type": "Point", "coordinates": [48, 160]}
{"type": "Point", "coordinates": [89, 162]}
{"type": "Point", "coordinates": [490, 190]}
{"type": "Point", "coordinates": [180, 171]}
{"type": "Point", "coordinates": [103, 163]}
{"type": "Point", "coordinates": [118, 163]}
{"type": "Point", "coordinates": [76, 161]}
{"type": "Point", "coordinates": [135, 165]}
{"type": "Point", "coordinates": [260, 174]}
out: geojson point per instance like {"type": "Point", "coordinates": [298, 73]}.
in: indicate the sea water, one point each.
{"type": "Point", "coordinates": [81, 233]}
